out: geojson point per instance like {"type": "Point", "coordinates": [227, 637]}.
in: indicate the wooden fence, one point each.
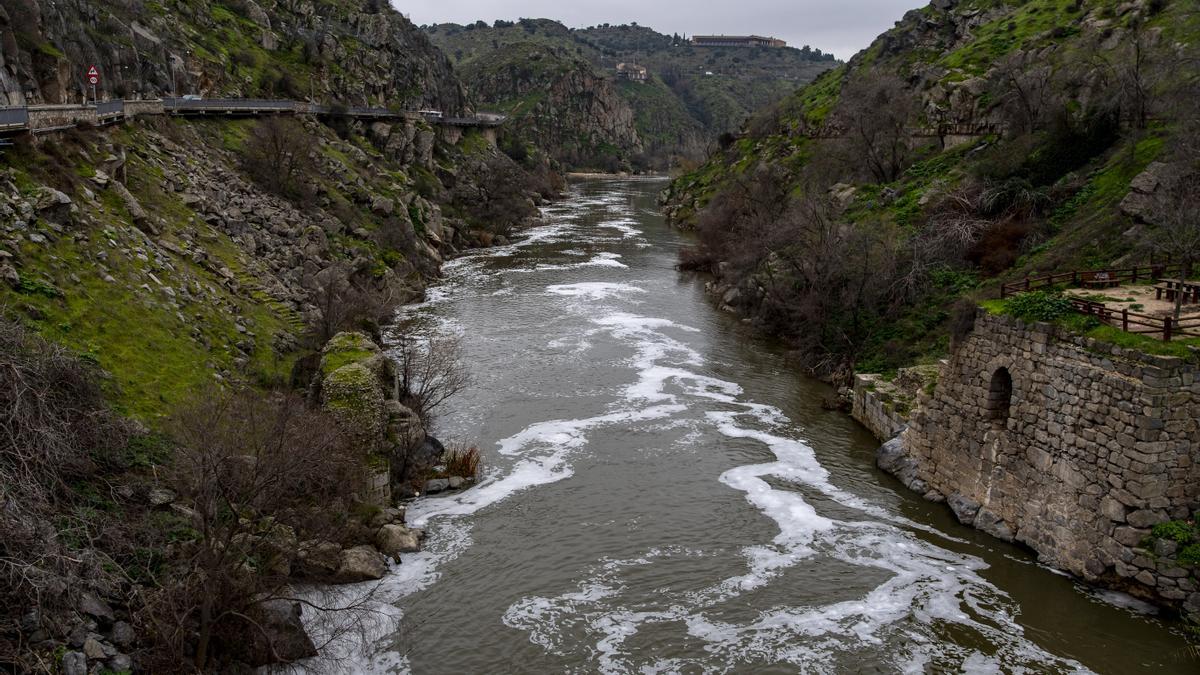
{"type": "Point", "coordinates": [1087, 278]}
{"type": "Point", "coordinates": [1165, 328]}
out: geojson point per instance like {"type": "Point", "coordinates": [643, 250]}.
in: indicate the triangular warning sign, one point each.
{"type": "Point", "coordinates": [92, 71]}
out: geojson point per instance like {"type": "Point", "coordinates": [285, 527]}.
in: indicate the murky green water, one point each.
{"type": "Point", "coordinates": [664, 494]}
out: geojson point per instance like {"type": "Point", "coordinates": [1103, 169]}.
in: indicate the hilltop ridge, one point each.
{"type": "Point", "coordinates": [690, 94]}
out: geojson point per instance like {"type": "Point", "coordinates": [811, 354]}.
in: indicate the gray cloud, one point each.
{"type": "Point", "coordinates": [839, 26]}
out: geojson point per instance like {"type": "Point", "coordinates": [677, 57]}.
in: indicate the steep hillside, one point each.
{"type": "Point", "coordinates": [691, 95]}
{"type": "Point", "coordinates": [978, 140]}
{"type": "Point", "coordinates": [196, 414]}
{"type": "Point", "coordinates": [356, 52]}
{"type": "Point", "coordinates": [558, 103]}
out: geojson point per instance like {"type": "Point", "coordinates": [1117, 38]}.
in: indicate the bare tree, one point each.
{"type": "Point", "coordinates": [278, 156]}
{"type": "Point", "coordinates": [345, 302]}
{"type": "Point", "coordinates": [255, 475]}
{"type": "Point", "coordinates": [429, 373]}
{"type": "Point", "coordinates": [877, 112]}
{"type": "Point", "coordinates": [1027, 90]}
{"type": "Point", "coordinates": [1176, 229]}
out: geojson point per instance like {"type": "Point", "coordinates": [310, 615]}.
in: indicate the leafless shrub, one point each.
{"type": "Point", "coordinates": [462, 461]}
{"type": "Point", "coordinates": [277, 157]}
{"type": "Point", "coordinates": [55, 429]}
{"type": "Point", "coordinates": [346, 301]}
{"type": "Point", "coordinates": [876, 112]}
{"type": "Point", "coordinates": [429, 373]}
{"type": "Point", "coordinates": [254, 476]}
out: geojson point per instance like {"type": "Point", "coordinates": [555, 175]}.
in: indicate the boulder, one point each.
{"type": "Point", "coordinates": [95, 608]}
{"type": "Point", "coordinates": [93, 649]}
{"type": "Point", "coordinates": [320, 559]}
{"type": "Point", "coordinates": [404, 426]}
{"type": "Point", "coordinates": [279, 638]}
{"type": "Point", "coordinates": [964, 508]}
{"type": "Point", "coordinates": [409, 467]}
{"type": "Point", "coordinates": [361, 563]}
{"type": "Point", "coordinates": [392, 540]}
{"type": "Point", "coordinates": [436, 485]}
{"type": "Point", "coordinates": [122, 634]}
{"type": "Point", "coordinates": [74, 663]}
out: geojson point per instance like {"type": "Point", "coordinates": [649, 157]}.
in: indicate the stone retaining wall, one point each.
{"type": "Point", "coordinates": [54, 116]}
{"type": "Point", "coordinates": [1073, 447]}
{"type": "Point", "coordinates": [872, 411]}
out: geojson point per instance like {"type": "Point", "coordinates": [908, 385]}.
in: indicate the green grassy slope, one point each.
{"type": "Point", "coordinates": [951, 65]}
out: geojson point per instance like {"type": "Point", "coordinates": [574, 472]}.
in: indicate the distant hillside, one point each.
{"type": "Point", "coordinates": [975, 142]}
{"type": "Point", "coordinates": [690, 97]}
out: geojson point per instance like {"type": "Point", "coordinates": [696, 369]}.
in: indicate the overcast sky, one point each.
{"type": "Point", "coordinates": [839, 26]}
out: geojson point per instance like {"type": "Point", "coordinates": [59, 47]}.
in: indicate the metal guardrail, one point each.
{"type": "Point", "coordinates": [247, 105]}
{"type": "Point", "coordinates": [110, 107]}
{"type": "Point", "coordinates": [14, 118]}
{"type": "Point", "coordinates": [17, 118]}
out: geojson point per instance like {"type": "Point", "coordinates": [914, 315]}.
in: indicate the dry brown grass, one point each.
{"type": "Point", "coordinates": [463, 461]}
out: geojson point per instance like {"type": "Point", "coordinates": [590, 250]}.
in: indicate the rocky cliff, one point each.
{"type": "Point", "coordinates": [557, 102]}
{"type": "Point", "coordinates": [354, 51]}
{"type": "Point", "coordinates": [970, 144]}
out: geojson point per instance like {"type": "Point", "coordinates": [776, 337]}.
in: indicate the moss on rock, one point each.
{"type": "Point", "coordinates": [353, 396]}
{"type": "Point", "coordinates": [344, 349]}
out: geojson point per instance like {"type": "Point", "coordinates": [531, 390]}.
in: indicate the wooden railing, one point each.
{"type": "Point", "coordinates": [1077, 278]}
{"type": "Point", "coordinates": [1165, 328]}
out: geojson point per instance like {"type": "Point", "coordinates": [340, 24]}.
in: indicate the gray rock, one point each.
{"type": "Point", "coordinates": [361, 563]}
{"type": "Point", "coordinates": [121, 663]}
{"type": "Point", "coordinates": [93, 649]}
{"type": "Point", "coordinates": [392, 540]}
{"type": "Point", "coordinates": [1145, 518]}
{"type": "Point", "coordinates": [993, 525]}
{"type": "Point", "coordinates": [319, 559]}
{"type": "Point", "coordinates": [436, 485]}
{"type": "Point", "coordinates": [282, 637]}
{"type": "Point", "coordinates": [160, 497]}
{"type": "Point", "coordinates": [1165, 548]}
{"type": "Point", "coordinates": [92, 606]}
{"type": "Point", "coordinates": [74, 663]}
{"type": "Point", "coordinates": [122, 634]}
{"type": "Point", "coordinates": [456, 482]}
{"type": "Point", "coordinates": [964, 508]}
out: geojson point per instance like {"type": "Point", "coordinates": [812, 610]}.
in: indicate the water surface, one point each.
{"type": "Point", "coordinates": [664, 493]}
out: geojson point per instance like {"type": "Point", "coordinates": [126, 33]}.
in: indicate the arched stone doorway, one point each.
{"type": "Point", "coordinates": [999, 403]}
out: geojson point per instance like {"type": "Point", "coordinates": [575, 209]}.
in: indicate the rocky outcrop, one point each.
{"type": "Point", "coordinates": [558, 103]}
{"type": "Point", "coordinates": [355, 51]}
{"type": "Point", "coordinates": [358, 387]}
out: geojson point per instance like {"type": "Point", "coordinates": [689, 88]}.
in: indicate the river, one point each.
{"type": "Point", "coordinates": [663, 492]}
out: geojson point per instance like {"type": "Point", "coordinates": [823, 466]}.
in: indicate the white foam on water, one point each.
{"type": "Point", "coordinates": [625, 226]}
{"type": "Point", "coordinates": [594, 290]}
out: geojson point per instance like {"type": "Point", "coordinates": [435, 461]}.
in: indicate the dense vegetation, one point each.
{"type": "Point", "coordinates": [173, 457]}
{"type": "Point", "coordinates": [975, 142]}
{"type": "Point", "coordinates": [692, 94]}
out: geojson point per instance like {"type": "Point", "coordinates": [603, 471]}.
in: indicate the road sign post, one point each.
{"type": "Point", "coordinates": [93, 78]}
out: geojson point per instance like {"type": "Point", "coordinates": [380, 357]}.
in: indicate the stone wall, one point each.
{"type": "Point", "coordinates": [872, 410]}
{"type": "Point", "coordinates": [1073, 447]}
{"type": "Point", "coordinates": [55, 116]}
